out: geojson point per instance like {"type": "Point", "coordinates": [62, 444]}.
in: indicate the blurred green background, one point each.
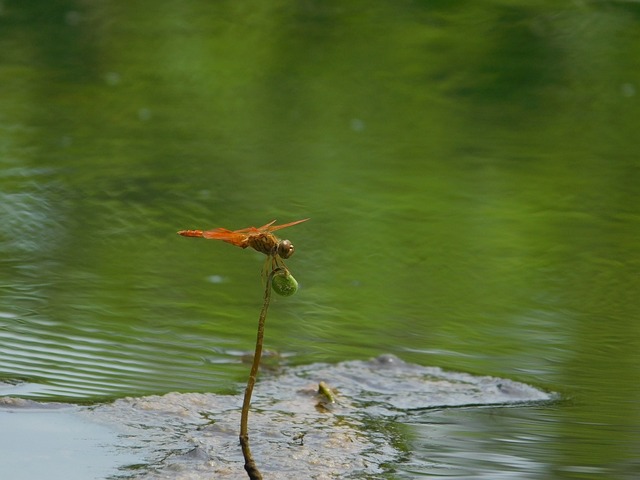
{"type": "Point", "coordinates": [470, 169]}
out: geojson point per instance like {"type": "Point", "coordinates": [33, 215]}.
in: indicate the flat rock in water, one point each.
{"type": "Point", "coordinates": [294, 431]}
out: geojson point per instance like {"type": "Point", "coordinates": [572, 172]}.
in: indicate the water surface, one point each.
{"type": "Point", "coordinates": [471, 174]}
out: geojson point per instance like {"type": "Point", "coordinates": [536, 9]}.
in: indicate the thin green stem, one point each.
{"type": "Point", "coordinates": [249, 463]}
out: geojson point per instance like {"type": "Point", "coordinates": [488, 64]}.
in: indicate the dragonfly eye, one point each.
{"type": "Point", "coordinates": [285, 249]}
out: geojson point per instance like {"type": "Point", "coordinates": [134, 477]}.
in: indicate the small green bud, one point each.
{"type": "Point", "coordinates": [284, 284]}
{"type": "Point", "coordinates": [325, 391]}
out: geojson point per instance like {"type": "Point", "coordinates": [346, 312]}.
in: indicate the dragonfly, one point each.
{"type": "Point", "coordinates": [260, 239]}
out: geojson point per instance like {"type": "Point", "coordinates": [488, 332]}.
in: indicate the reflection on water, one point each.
{"type": "Point", "coordinates": [473, 201]}
{"type": "Point", "coordinates": [54, 442]}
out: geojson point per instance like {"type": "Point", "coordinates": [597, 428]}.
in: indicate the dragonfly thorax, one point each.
{"type": "Point", "coordinates": [272, 246]}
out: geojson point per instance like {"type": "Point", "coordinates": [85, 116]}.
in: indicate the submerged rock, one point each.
{"type": "Point", "coordinates": [296, 433]}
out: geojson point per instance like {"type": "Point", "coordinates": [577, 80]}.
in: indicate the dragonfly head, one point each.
{"type": "Point", "coordinates": [285, 249]}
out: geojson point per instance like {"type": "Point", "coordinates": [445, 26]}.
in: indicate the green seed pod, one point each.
{"type": "Point", "coordinates": [284, 284]}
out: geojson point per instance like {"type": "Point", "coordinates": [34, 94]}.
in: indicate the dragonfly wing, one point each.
{"type": "Point", "coordinates": [278, 227]}
{"type": "Point", "coordinates": [254, 229]}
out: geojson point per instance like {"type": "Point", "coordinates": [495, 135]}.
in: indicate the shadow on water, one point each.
{"type": "Point", "coordinates": [296, 432]}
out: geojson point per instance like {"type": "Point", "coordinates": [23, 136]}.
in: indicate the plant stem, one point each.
{"type": "Point", "coordinates": [249, 463]}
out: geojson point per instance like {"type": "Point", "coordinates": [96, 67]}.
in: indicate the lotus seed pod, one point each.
{"type": "Point", "coordinates": [284, 284]}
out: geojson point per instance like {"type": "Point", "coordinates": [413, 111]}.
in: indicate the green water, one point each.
{"type": "Point", "coordinates": [470, 170]}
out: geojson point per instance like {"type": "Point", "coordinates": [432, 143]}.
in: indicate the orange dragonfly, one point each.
{"type": "Point", "coordinates": [260, 239]}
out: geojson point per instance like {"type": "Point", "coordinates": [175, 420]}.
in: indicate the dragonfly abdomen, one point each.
{"type": "Point", "coordinates": [191, 233]}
